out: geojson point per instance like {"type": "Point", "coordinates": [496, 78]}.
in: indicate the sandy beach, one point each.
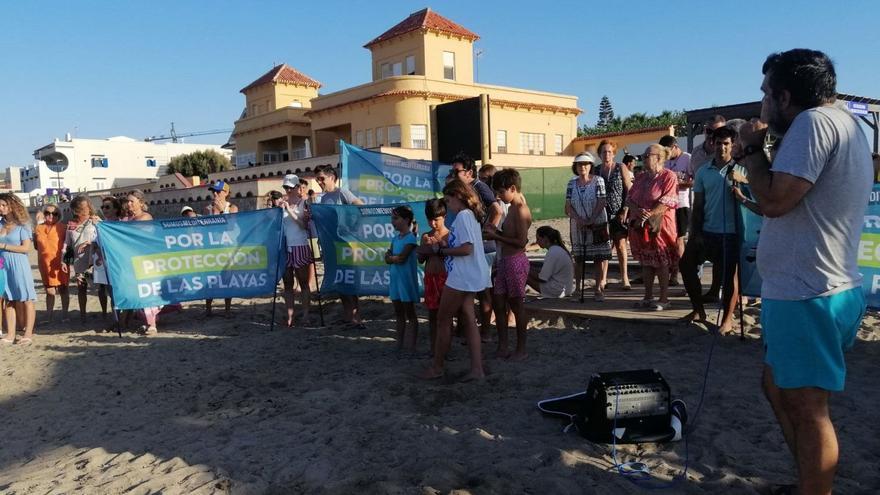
{"type": "Point", "coordinates": [217, 405]}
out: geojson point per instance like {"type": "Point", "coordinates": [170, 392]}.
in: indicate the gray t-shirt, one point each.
{"type": "Point", "coordinates": [339, 196]}
{"type": "Point", "coordinates": [558, 271]}
{"type": "Point", "coordinates": [811, 250]}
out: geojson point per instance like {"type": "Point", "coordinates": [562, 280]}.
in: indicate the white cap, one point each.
{"type": "Point", "coordinates": [584, 157]}
{"type": "Point", "coordinates": [290, 180]}
{"type": "Point", "coordinates": [186, 209]}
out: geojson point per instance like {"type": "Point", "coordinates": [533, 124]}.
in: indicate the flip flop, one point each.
{"type": "Point", "coordinates": [6, 341]}
{"type": "Point", "coordinates": [627, 287]}
{"type": "Point", "coordinates": [25, 341]}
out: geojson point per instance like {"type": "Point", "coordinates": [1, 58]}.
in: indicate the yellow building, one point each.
{"type": "Point", "coordinates": [423, 61]}
{"type": "Point", "coordinates": [273, 127]}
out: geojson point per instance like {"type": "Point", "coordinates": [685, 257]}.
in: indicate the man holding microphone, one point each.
{"type": "Point", "coordinates": [813, 197]}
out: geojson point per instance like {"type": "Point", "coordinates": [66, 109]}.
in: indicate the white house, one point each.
{"type": "Point", "coordinates": [94, 164]}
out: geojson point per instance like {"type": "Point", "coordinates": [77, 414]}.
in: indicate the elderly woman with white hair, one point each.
{"type": "Point", "coordinates": [585, 206]}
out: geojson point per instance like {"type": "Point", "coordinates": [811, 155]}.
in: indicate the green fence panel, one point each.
{"type": "Point", "coordinates": [544, 189]}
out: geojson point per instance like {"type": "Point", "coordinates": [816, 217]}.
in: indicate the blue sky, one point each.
{"type": "Point", "coordinates": [106, 68]}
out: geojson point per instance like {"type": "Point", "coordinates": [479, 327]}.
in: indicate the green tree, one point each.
{"type": "Point", "coordinates": [638, 121]}
{"type": "Point", "coordinates": [606, 113]}
{"type": "Point", "coordinates": [199, 163]}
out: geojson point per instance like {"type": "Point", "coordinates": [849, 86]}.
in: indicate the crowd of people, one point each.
{"type": "Point", "coordinates": [672, 210]}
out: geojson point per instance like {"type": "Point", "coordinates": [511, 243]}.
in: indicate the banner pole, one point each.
{"type": "Point", "coordinates": [280, 249]}
{"type": "Point", "coordinates": [315, 264]}
{"type": "Point", "coordinates": [110, 287]}
{"type": "Point", "coordinates": [739, 215]}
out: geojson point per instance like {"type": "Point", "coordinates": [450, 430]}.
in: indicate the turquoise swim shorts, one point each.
{"type": "Point", "coordinates": [804, 341]}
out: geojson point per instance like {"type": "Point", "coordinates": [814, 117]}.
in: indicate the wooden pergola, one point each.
{"type": "Point", "coordinates": [866, 109]}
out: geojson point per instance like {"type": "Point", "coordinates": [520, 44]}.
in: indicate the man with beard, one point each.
{"type": "Point", "coordinates": [813, 198]}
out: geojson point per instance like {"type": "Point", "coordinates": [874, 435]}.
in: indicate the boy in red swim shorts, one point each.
{"type": "Point", "coordinates": [513, 265]}
{"type": "Point", "coordinates": [435, 269]}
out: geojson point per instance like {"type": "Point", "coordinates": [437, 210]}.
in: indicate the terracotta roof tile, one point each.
{"type": "Point", "coordinates": [283, 74]}
{"type": "Point", "coordinates": [646, 130]}
{"type": "Point", "coordinates": [425, 19]}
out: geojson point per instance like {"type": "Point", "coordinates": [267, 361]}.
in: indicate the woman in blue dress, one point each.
{"type": "Point", "coordinates": [19, 294]}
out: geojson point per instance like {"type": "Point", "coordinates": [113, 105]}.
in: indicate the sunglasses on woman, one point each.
{"type": "Point", "coordinates": [51, 213]}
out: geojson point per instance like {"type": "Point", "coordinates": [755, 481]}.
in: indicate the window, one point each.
{"type": "Point", "coordinates": [99, 184]}
{"type": "Point", "coordinates": [100, 162]}
{"type": "Point", "coordinates": [410, 65]}
{"type": "Point", "coordinates": [418, 134]}
{"type": "Point", "coordinates": [359, 138]}
{"type": "Point", "coordinates": [394, 136]}
{"type": "Point", "coordinates": [385, 70]}
{"type": "Point", "coordinates": [449, 66]}
{"type": "Point", "coordinates": [397, 69]}
{"type": "Point", "coordinates": [370, 141]}
{"type": "Point", "coordinates": [254, 108]}
{"type": "Point", "coordinates": [296, 104]}
{"type": "Point", "coordinates": [531, 144]}
{"type": "Point", "coordinates": [557, 144]}
{"type": "Point", "coordinates": [151, 162]}
{"type": "Point", "coordinates": [271, 156]}
{"type": "Point", "coordinates": [501, 141]}
{"type": "Point", "coordinates": [380, 136]}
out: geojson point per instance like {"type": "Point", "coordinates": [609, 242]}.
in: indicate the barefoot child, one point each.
{"type": "Point", "coordinates": [404, 287]}
{"type": "Point", "coordinates": [467, 274]}
{"type": "Point", "coordinates": [435, 271]}
{"type": "Point", "coordinates": [513, 266]}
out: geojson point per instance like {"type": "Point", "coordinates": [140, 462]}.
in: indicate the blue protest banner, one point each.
{"type": "Point", "coordinates": [353, 242]}
{"type": "Point", "coordinates": [380, 178]}
{"type": "Point", "coordinates": [167, 261]}
{"type": "Point", "coordinates": [869, 250]}
{"type": "Point", "coordinates": [749, 228]}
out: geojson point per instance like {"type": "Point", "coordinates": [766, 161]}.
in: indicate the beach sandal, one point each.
{"type": "Point", "coordinates": [25, 341]}
{"type": "Point", "coordinates": [658, 306]}
{"type": "Point", "coordinates": [149, 331]}
{"type": "Point", "coordinates": [599, 297]}
{"type": "Point", "coordinates": [644, 303]}
{"type": "Point", "coordinates": [627, 287]}
{"type": "Point", "coordinates": [6, 341]}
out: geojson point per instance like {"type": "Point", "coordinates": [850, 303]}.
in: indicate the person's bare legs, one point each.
{"type": "Point", "coordinates": [305, 276]}
{"type": "Point", "coordinates": [814, 440]}
{"type": "Point", "coordinates": [400, 322]}
{"type": "Point", "coordinates": [663, 281]}
{"type": "Point", "coordinates": [578, 273]}
{"type": "Point", "coordinates": [102, 298]}
{"type": "Point", "coordinates": [9, 320]}
{"type": "Point", "coordinates": [773, 395]}
{"type": "Point", "coordinates": [473, 339]}
{"type": "Point", "coordinates": [517, 307]}
{"type": "Point", "coordinates": [29, 311]}
{"type": "Point", "coordinates": [432, 328]}
{"type": "Point", "coordinates": [486, 299]}
{"type": "Point", "coordinates": [411, 337]}
{"type": "Point", "coordinates": [208, 303]}
{"type": "Point", "coordinates": [350, 309]}
{"type": "Point", "coordinates": [451, 302]}
{"type": "Point", "coordinates": [648, 280]}
{"type": "Point", "coordinates": [501, 324]}
{"type": "Point", "coordinates": [82, 293]}
{"type": "Point", "coordinates": [50, 302]}
{"type": "Point", "coordinates": [600, 269]}
{"type": "Point", "coordinates": [288, 296]}
{"type": "Point", "coordinates": [730, 296]}
{"type": "Point", "coordinates": [227, 307]}
{"type": "Point", "coordinates": [620, 249]}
